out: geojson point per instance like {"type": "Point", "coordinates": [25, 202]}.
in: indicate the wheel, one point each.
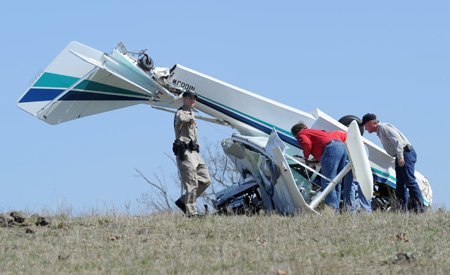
{"type": "Point", "coordinates": [146, 63]}
{"type": "Point", "coordinates": [346, 120]}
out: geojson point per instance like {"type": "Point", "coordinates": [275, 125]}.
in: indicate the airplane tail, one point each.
{"type": "Point", "coordinates": [83, 81]}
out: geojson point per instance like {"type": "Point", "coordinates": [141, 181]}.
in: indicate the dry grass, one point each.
{"type": "Point", "coordinates": [171, 243]}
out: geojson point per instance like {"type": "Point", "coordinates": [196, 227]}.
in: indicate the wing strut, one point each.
{"type": "Point", "coordinates": [330, 186]}
{"type": "Point", "coordinates": [209, 119]}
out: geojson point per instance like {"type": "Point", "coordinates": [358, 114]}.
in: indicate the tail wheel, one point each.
{"type": "Point", "coordinates": [346, 120]}
{"type": "Point", "coordinates": [145, 63]}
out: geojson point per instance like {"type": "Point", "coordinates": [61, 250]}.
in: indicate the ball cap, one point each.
{"type": "Point", "coordinates": [190, 94]}
{"type": "Point", "coordinates": [367, 117]}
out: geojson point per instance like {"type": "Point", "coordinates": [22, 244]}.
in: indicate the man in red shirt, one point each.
{"type": "Point", "coordinates": [329, 149]}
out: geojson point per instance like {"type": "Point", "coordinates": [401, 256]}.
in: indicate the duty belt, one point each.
{"type": "Point", "coordinates": [193, 146]}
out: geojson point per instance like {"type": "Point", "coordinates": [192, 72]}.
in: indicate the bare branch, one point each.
{"type": "Point", "coordinates": [160, 187]}
{"type": "Point", "coordinates": [165, 194]}
{"type": "Point", "coordinates": [222, 171]}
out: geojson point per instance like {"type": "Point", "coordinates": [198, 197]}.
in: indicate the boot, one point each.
{"type": "Point", "coordinates": [181, 205]}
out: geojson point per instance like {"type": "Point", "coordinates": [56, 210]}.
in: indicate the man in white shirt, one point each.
{"type": "Point", "coordinates": [398, 146]}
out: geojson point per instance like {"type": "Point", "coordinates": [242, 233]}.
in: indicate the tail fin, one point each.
{"type": "Point", "coordinates": [83, 81]}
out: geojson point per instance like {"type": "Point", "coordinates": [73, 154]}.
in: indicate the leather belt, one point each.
{"type": "Point", "coordinates": [331, 141]}
{"type": "Point", "coordinates": [407, 148]}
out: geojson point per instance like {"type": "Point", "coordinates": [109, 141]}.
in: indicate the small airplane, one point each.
{"type": "Point", "coordinates": [83, 81]}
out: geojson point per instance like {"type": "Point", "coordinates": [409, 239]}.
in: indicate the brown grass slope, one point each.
{"type": "Point", "coordinates": [268, 244]}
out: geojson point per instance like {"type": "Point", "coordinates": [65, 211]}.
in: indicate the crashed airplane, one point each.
{"type": "Point", "coordinates": [83, 81]}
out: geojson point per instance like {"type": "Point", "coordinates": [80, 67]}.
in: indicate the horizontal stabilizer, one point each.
{"type": "Point", "coordinates": [83, 81]}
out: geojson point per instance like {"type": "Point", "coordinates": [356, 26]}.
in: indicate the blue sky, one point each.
{"type": "Point", "coordinates": [344, 57]}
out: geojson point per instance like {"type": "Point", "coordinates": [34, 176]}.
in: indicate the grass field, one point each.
{"type": "Point", "coordinates": [269, 244]}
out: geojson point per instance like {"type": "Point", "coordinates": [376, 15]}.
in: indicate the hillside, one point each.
{"type": "Point", "coordinates": [268, 244]}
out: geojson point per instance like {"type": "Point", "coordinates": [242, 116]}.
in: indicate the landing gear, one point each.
{"type": "Point", "coordinates": [145, 63]}
{"type": "Point", "coordinates": [346, 120]}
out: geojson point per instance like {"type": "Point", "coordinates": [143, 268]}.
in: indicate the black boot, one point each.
{"type": "Point", "coordinates": [181, 205]}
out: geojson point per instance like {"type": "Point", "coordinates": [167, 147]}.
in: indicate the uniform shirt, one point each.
{"type": "Point", "coordinates": [184, 125]}
{"type": "Point", "coordinates": [313, 141]}
{"type": "Point", "coordinates": [392, 139]}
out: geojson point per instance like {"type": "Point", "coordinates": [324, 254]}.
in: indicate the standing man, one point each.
{"type": "Point", "coordinates": [398, 146]}
{"type": "Point", "coordinates": [327, 148]}
{"type": "Point", "coordinates": [193, 170]}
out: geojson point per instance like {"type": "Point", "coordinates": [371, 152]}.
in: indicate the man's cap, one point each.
{"type": "Point", "coordinates": [368, 117]}
{"type": "Point", "coordinates": [190, 94]}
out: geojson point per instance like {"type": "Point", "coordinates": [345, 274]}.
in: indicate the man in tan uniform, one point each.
{"type": "Point", "coordinates": [193, 170]}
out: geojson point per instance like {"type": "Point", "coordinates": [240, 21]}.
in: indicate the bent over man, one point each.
{"type": "Point", "coordinates": [326, 147]}
{"type": "Point", "coordinates": [193, 170]}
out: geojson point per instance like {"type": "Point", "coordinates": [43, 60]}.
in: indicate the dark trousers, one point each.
{"type": "Point", "coordinates": [407, 181]}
